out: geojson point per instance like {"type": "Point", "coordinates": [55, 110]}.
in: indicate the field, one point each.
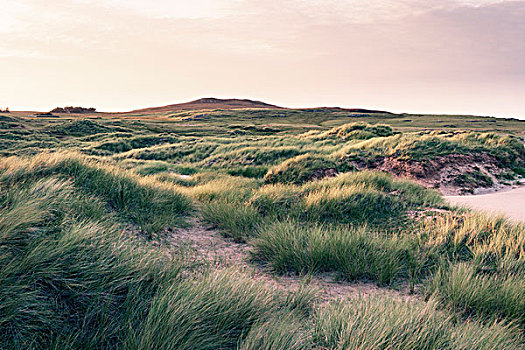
{"type": "Point", "coordinates": [257, 228]}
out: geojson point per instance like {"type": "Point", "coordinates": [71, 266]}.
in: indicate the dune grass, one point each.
{"type": "Point", "coordinates": [66, 273]}
{"type": "Point", "coordinates": [489, 296]}
{"type": "Point", "coordinates": [240, 206]}
{"type": "Point", "coordinates": [234, 219]}
{"type": "Point", "coordinates": [300, 169]}
{"type": "Point", "coordinates": [492, 243]}
{"type": "Point", "coordinates": [149, 204]}
{"type": "Point", "coordinates": [214, 312]}
{"type": "Point", "coordinates": [357, 131]}
{"type": "Point", "coordinates": [507, 151]}
{"type": "Point", "coordinates": [354, 253]}
{"type": "Point", "coordinates": [384, 323]}
{"type": "Point", "coordinates": [73, 274]}
{"type": "Point", "coordinates": [70, 279]}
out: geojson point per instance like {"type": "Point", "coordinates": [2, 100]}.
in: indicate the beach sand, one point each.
{"type": "Point", "coordinates": [509, 203]}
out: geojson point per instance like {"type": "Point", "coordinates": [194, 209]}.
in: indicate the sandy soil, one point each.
{"type": "Point", "coordinates": [510, 203]}
{"type": "Point", "coordinates": [209, 245]}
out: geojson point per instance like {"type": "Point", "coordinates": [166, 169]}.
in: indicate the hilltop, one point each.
{"type": "Point", "coordinates": [209, 103]}
{"type": "Point", "coordinates": [212, 103]}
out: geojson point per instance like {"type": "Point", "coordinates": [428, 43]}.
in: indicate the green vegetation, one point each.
{"type": "Point", "coordinates": [355, 253]}
{"type": "Point", "coordinates": [472, 180]}
{"type": "Point", "coordinates": [387, 324]}
{"type": "Point", "coordinates": [488, 295]}
{"type": "Point", "coordinates": [358, 131]}
{"type": "Point", "coordinates": [91, 208]}
{"type": "Point", "coordinates": [304, 168]}
{"type": "Point", "coordinates": [149, 204]}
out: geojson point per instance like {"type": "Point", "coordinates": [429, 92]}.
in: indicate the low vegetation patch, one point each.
{"type": "Point", "coordinates": [490, 296]}
{"type": "Point", "coordinates": [301, 169]}
{"type": "Point", "coordinates": [355, 253]}
{"type": "Point", "coordinates": [79, 128]}
{"type": "Point", "coordinates": [358, 131]}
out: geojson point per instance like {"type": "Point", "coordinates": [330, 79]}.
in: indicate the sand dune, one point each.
{"type": "Point", "coordinates": [509, 203]}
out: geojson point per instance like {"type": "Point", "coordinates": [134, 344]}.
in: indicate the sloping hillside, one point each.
{"type": "Point", "coordinates": [209, 103]}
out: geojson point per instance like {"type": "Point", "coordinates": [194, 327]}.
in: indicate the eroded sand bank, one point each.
{"type": "Point", "coordinates": [509, 203]}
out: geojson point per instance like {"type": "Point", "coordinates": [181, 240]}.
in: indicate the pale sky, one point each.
{"type": "Point", "coordinates": [424, 56]}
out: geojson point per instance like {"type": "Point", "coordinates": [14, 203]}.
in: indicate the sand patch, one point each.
{"type": "Point", "coordinates": [510, 203]}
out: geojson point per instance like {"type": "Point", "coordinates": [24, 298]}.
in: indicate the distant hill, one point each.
{"type": "Point", "coordinates": [209, 103]}
{"type": "Point", "coordinates": [212, 103]}
{"type": "Point", "coordinates": [341, 109]}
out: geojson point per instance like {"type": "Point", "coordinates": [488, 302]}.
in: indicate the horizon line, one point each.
{"type": "Point", "coordinates": [385, 110]}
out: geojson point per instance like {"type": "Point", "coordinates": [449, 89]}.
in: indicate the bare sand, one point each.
{"type": "Point", "coordinates": [510, 203]}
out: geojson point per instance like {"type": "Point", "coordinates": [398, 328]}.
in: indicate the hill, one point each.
{"type": "Point", "coordinates": [209, 103]}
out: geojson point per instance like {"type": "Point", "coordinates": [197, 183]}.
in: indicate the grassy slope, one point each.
{"type": "Point", "coordinates": [73, 276]}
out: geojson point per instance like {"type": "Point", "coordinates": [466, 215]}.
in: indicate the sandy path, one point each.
{"type": "Point", "coordinates": [509, 203]}
{"type": "Point", "coordinates": [209, 245]}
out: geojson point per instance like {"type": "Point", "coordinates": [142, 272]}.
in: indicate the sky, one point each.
{"type": "Point", "coordinates": [420, 56]}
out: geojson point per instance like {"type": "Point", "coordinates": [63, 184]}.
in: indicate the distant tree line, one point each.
{"type": "Point", "coordinates": [71, 109]}
{"type": "Point", "coordinates": [6, 110]}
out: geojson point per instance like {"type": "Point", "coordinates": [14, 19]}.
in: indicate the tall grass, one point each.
{"type": "Point", "coordinates": [358, 131]}
{"type": "Point", "coordinates": [492, 297]}
{"type": "Point", "coordinates": [230, 188]}
{"type": "Point", "coordinates": [145, 202]}
{"type": "Point", "coordinates": [234, 219]}
{"type": "Point", "coordinates": [484, 275]}
{"type": "Point", "coordinates": [492, 242]}
{"type": "Point", "coordinates": [65, 272]}
{"type": "Point", "coordinates": [239, 206]}
{"type": "Point", "coordinates": [372, 197]}
{"type": "Point", "coordinates": [282, 332]}
{"type": "Point", "coordinates": [411, 193]}
{"type": "Point", "coordinates": [384, 323]}
{"type": "Point", "coordinates": [352, 204]}
{"type": "Point", "coordinates": [214, 312]}
{"type": "Point", "coordinates": [300, 169]}
{"type": "Point", "coordinates": [353, 253]}
{"type": "Point", "coordinates": [70, 279]}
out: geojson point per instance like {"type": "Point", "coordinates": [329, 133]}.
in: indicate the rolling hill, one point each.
{"type": "Point", "coordinates": [209, 103]}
